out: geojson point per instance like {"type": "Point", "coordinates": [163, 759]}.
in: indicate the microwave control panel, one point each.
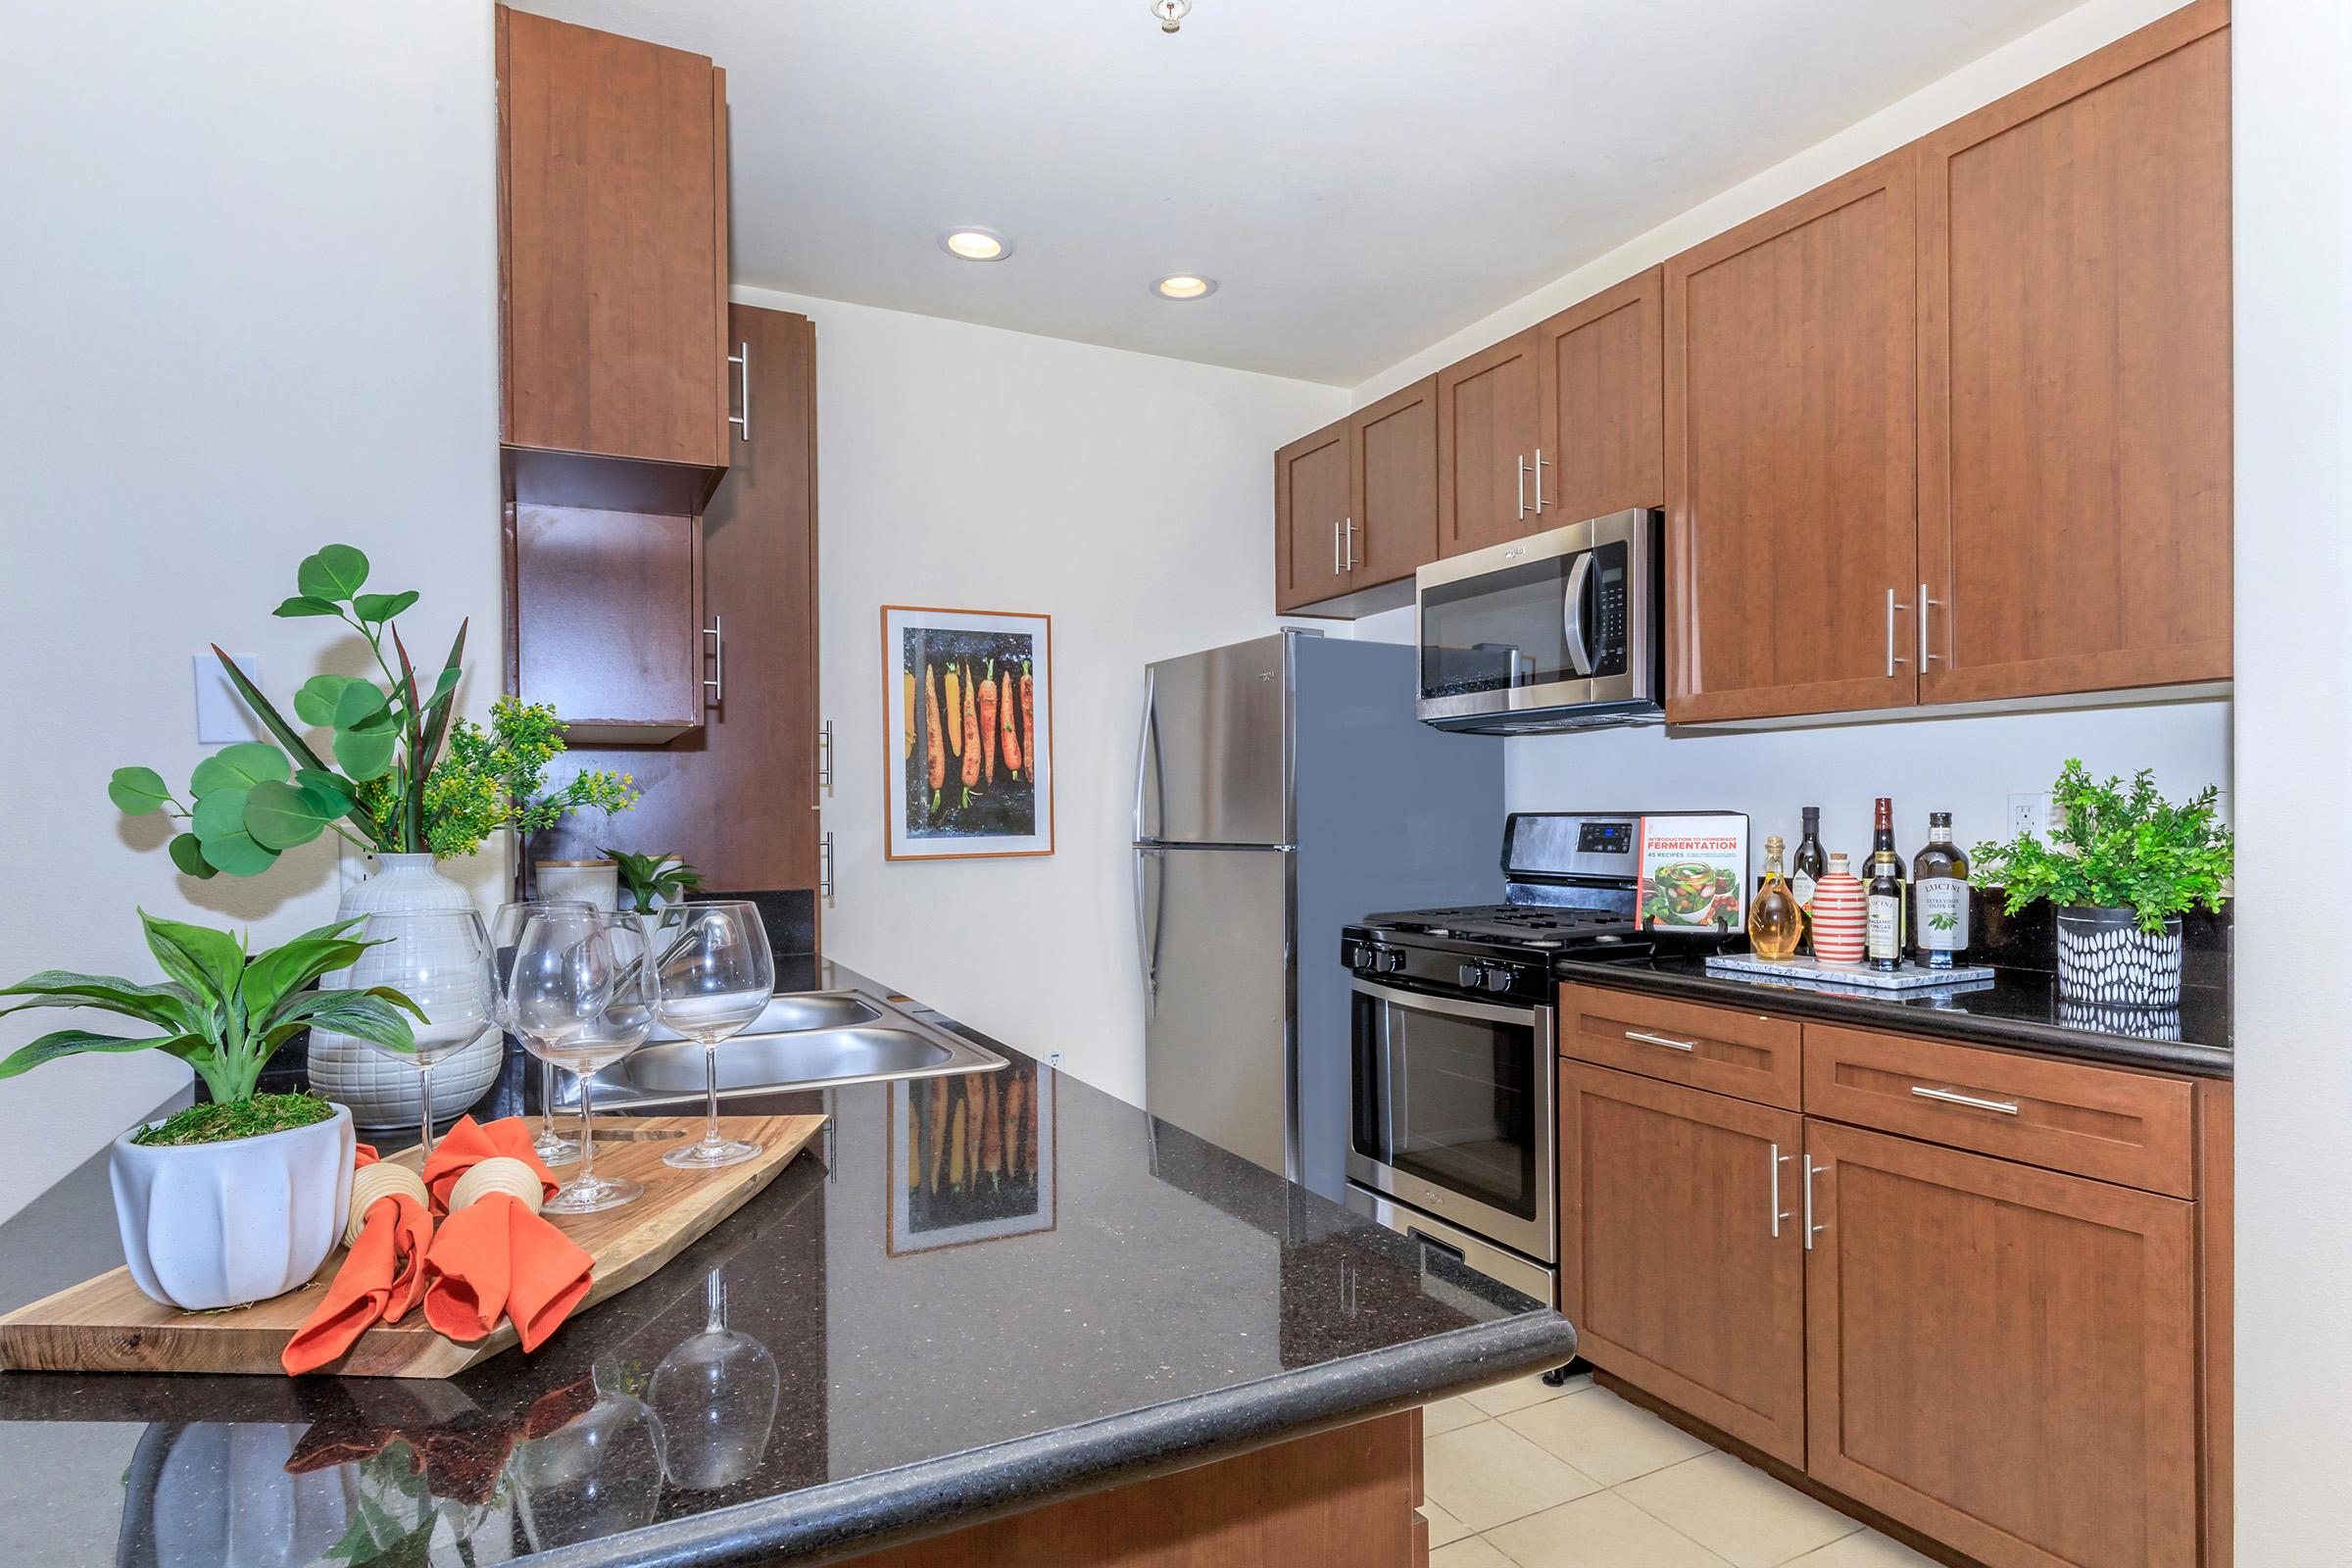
{"type": "Point", "coordinates": [1610, 573]}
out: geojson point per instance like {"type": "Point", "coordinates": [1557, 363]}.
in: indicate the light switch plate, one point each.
{"type": "Point", "coordinates": [222, 717]}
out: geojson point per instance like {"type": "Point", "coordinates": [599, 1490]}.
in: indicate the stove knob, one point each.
{"type": "Point", "coordinates": [1500, 979]}
{"type": "Point", "coordinates": [1390, 961]}
{"type": "Point", "coordinates": [1472, 976]}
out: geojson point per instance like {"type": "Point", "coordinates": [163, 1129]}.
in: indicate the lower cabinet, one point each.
{"type": "Point", "coordinates": [2002, 1356]}
{"type": "Point", "coordinates": [1683, 1268]}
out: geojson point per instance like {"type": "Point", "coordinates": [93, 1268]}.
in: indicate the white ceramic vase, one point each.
{"type": "Point", "coordinates": [207, 1225]}
{"type": "Point", "coordinates": [380, 1090]}
{"type": "Point", "coordinates": [595, 883]}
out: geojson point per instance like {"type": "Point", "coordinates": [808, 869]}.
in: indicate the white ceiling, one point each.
{"type": "Point", "coordinates": [1361, 178]}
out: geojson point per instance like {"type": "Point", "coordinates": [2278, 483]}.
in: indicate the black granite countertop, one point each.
{"type": "Point", "coordinates": [886, 1371]}
{"type": "Point", "coordinates": [2019, 1008]}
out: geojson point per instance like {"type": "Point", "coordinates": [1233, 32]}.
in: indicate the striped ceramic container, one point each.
{"type": "Point", "coordinates": [1837, 914]}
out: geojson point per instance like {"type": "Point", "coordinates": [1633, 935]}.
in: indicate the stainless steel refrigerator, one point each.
{"type": "Point", "coordinates": [1282, 789]}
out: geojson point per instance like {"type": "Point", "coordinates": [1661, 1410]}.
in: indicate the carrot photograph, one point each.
{"type": "Point", "coordinates": [967, 775]}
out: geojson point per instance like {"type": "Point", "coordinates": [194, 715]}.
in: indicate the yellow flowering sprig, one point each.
{"type": "Point", "coordinates": [492, 778]}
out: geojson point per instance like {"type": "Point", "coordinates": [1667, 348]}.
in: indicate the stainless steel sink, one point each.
{"type": "Point", "coordinates": [805, 1040]}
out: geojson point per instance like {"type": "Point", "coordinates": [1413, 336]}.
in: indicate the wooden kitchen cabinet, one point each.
{"type": "Point", "coordinates": [606, 620]}
{"type": "Point", "coordinates": [2003, 1357]}
{"type": "Point", "coordinates": [612, 246]}
{"type": "Point", "coordinates": [1356, 504]}
{"type": "Point", "coordinates": [1681, 1261]}
{"type": "Point", "coordinates": [1488, 432]}
{"type": "Point", "coordinates": [1791, 435]}
{"type": "Point", "coordinates": [2075, 375]}
{"type": "Point", "coordinates": [1602, 403]}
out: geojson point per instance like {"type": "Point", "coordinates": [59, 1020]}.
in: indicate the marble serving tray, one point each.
{"type": "Point", "coordinates": [1813, 971]}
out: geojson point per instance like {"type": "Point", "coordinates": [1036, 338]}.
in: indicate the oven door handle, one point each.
{"type": "Point", "coordinates": [1485, 1011]}
{"type": "Point", "coordinates": [1572, 616]}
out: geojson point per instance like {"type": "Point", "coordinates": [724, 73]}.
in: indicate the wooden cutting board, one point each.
{"type": "Point", "coordinates": [108, 1323]}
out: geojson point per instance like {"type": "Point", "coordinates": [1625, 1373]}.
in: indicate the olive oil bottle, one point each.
{"type": "Point", "coordinates": [1882, 906]}
{"type": "Point", "coordinates": [1774, 921]}
{"type": "Point", "coordinates": [1940, 895]}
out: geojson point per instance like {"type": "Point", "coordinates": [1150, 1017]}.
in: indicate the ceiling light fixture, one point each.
{"type": "Point", "coordinates": [1184, 287]}
{"type": "Point", "coordinates": [972, 244]}
{"type": "Point", "coordinates": [1171, 12]}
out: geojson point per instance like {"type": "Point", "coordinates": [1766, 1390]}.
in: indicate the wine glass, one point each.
{"type": "Point", "coordinates": [716, 976]}
{"type": "Point", "coordinates": [439, 960]}
{"type": "Point", "coordinates": [715, 1396]}
{"type": "Point", "coordinates": [506, 934]}
{"type": "Point", "coordinates": [596, 1475]}
{"type": "Point", "coordinates": [583, 994]}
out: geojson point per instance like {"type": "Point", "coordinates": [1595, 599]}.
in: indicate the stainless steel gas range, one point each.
{"type": "Point", "coordinates": [1452, 1126]}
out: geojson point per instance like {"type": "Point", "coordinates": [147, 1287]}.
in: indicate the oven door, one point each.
{"type": "Point", "coordinates": [1564, 619]}
{"type": "Point", "coordinates": [1451, 1111]}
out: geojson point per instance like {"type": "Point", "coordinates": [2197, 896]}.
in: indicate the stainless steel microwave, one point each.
{"type": "Point", "coordinates": [1559, 630]}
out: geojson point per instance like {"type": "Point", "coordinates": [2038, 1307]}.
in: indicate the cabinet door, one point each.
{"type": "Point", "coordinates": [608, 620]}
{"type": "Point", "coordinates": [1392, 486]}
{"type": "Point", "coordinates": [2002, 1356]}
{"type": "Point", "coordinates": [1486, 440]}
{"type": "Point", "coordinates": [1310, 510]}
{"type": "Point", "coordinates": [2073, 373]}
{"type": "Point", "coordinates": [1600, 387]}
{"type": "Point", "coordinates": [1789, 444]}
{"type": "Point", "coordinates": [613, 244]}
{"type": "Point", "coordinates": [1682, 1257]}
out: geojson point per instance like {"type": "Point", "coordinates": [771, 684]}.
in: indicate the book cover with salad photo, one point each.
{"type": "Point", "coordinates": [967, 733]}
{"type": "Point", "coordinates": [1694, 874]}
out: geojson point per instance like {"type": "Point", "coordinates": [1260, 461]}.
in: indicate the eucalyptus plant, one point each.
{"type": "Point", "coordinates": [222, 1010]}
{"type": "Point", "coordinates": [250, 802]}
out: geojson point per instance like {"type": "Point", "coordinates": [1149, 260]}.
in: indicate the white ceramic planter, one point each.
{"type": "Point", "coordinates": [219, 1492]}
{"type": "Point", "coordinates": [208, 1225]}
{"type": "Point", "coordinates": [380, 1090]}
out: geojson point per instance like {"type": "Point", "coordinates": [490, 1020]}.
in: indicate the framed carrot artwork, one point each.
{"type": "Point", "coordinates": [967, 733]}
{"type": "Point", "coordinates": [974, 1158]}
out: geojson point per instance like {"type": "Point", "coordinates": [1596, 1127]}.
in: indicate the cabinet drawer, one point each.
{"type": "Point", "coordinates": [1745, 1054]}
{"type": "Point", "coordinates": [2119, 1126]}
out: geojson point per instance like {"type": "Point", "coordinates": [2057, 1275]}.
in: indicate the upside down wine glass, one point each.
{"type": "Point", "coordinates": [717, 975]}
{"type": "Point", "coordinates": [584, 992]}
{"type": "Point", "coordinates": [506, 934]}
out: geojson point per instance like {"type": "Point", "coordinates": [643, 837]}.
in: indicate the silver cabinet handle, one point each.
{"type": "Point", "coordinates": [1523, 487]}
{"type": "Point", "coordinates": [1953, 1096]}
{"type": "Point", "coordinates": [1924, 604]}
{"type": "Point", "coordinates": [1811, 1230]}
{"type": "Point", "coordinates": [1338, 564]}
{"type": "Point", "coordinates": [1348, 533]}
{"type": "Point", "coordinates": [1540, 465]}
{"type": "Point", "coordinates": [1778, 1213]}
{"type": "Point", "coordinates": [1893, 657]}
{"type": "Point", "coordinates": [1661, 1040]}
{"type": "Point", "coordinates": [716, 680]}
{"type": "Point", "coordinates": [824, 757]}
{"type": "Point", "coordinates": [741, 359]}
{"type": "Point", "coordinates": [824, 878]}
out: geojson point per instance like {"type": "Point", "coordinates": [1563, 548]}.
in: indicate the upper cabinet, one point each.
{"type": "Point", "coordinates": [2075, 378]}
{"type": "Point", "coordinates": [1356, 504]}
{"type": "Point", "coordinates": [1789, 430]}
{"type": "Point", "coordinates": [1490, 438]}
{"type": "Point", "coordinates": [1601, 403]}
{"type": "Point", "coordinates": [612, 249]}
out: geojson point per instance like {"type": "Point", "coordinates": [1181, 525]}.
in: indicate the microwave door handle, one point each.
{"type": "Point", "coordinates": [1572, 619]}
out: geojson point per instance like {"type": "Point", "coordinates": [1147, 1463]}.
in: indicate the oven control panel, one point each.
{"type": "Point", "coordinates": [1440, 971]}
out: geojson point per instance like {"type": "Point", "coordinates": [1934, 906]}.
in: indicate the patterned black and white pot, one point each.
{"type": "Point", "coordinates": [2104, 956]}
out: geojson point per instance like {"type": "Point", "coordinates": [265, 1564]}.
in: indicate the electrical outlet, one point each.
{"type": "Point", "coordinates": [2029, 815]}
{"type": "Point", "coordinates": [222, 717]}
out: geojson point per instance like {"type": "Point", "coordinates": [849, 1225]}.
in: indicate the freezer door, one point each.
{"type": "Point", "coordinates": [1215, 941]}
{"type": "Point", "coordinates": [1215, 762]}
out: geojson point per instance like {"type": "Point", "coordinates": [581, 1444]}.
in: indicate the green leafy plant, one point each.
{"type": "Point", "coordinates": [2120, 847]}
{"type": "Point", "coordinates": [220, 1010]}
{"type": "Point", "coordinates": [249, 802]}
{"type": "Point", "coordinates": [653, 876]}
{"type": "Point", "coordinates": [497, 777]}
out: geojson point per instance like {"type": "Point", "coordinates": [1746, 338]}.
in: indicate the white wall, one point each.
{"type": "Point", "coordinates": [2293, 184]}
{"type": "Point", "coordinates": [1127, 496]}
{"type": "Point", "coordinates": [250, 309]}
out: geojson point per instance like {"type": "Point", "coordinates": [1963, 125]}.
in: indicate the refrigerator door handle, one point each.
{"type": "Point", "coordinates": [1147, 752]}
{"type": "Point", "coordinates": [1146, 933]}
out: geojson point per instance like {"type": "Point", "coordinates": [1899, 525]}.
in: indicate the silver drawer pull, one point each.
{"type": "Point", "coordinates": [1953, 1096]}
{"type": "Point", "coordinates": [1661, 1040]}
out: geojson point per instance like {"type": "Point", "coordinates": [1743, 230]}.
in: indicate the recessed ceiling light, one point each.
{"type": "Point", "coordinates": [1184, 287]}
{"type": "Point", "coordinates": [972, 244]}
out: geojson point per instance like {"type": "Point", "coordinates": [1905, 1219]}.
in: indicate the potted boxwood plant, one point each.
{"type": "Point", "coordinates": [651, 883]}
{"type": "Point", "coordinates": [2121, 869]}
{"type": "Point", "coordinates": [239, 1198]}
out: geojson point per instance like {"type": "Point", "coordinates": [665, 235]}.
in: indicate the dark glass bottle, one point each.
{"type": "Point", "coordinates": [1806, 869]}
{"type": "Point", "coordinates": [1882, 842]}
{"type": "Point", "coordinates": [1882, 905]}
{"type": "Point", "coordinates": [1940, 895]}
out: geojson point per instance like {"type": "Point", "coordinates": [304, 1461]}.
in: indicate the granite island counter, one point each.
{"type": "Point", "coordinates": [1146, 1340]}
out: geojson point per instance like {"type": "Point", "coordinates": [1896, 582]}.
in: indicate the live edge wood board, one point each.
{"type": "Point", "coordinates": [107, 1325]}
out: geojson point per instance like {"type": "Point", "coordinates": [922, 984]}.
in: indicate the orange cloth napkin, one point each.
{"type": "Point", "coordinates": [496, 1258]}
{"type": "Point", "coordinates": [379, 1281]}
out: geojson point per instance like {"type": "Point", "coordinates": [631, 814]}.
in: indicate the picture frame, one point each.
{"type": "Point", "coordinates": [939, 803]}
{"type": "Point", "coordinates": [934, 1203]}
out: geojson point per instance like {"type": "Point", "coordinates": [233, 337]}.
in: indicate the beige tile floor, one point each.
{"type": "Point", "coordinates": [1522, 1476]}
